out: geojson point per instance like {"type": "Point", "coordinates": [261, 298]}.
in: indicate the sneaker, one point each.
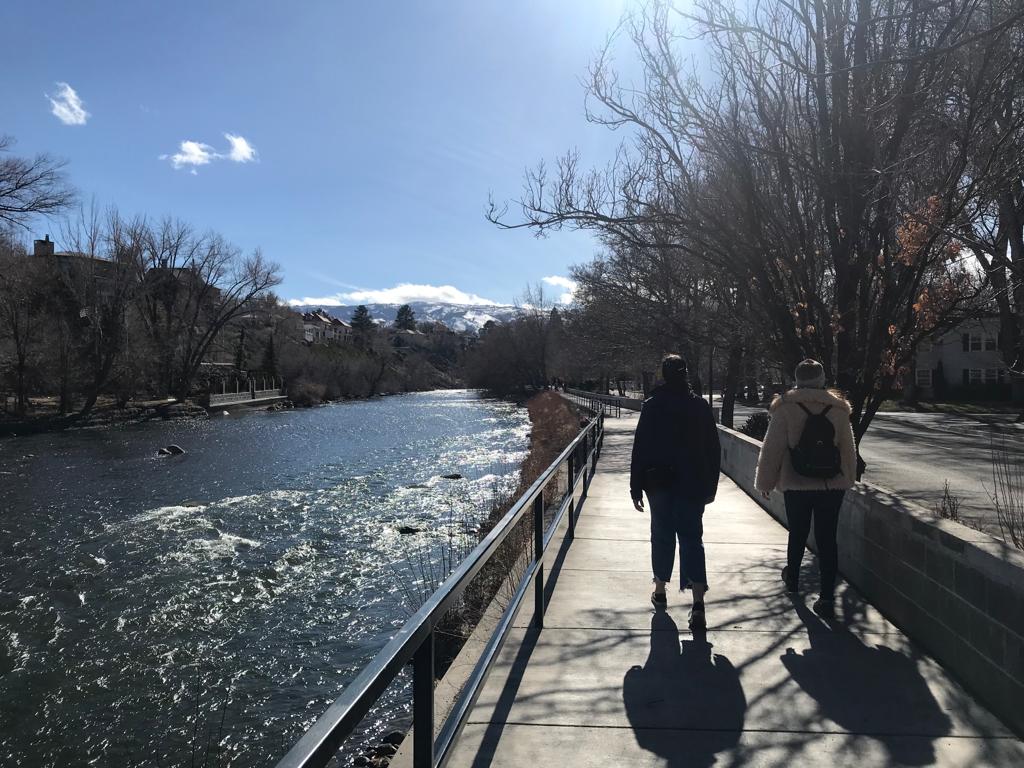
{"type": "Point", "coordinates": [791, 584]}
{"type": "Point", "coordinates": [825, 607]}
{"type": "Point", "coordinates": [659, 599]}
{"type": "Point", "coordinates": [697, 619]}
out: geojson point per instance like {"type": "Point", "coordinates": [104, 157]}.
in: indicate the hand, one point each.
{"type": "Point", "coordinates": [766, 495]}
{"type": "Point", "coordinates": [638, 505]}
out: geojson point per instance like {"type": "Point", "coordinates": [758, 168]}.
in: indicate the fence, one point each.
{"type": "Point", "coordinates": [255, 389]}
{"type": "Point", "coordinates": [610, 405]}
{"type": "Point", "coordinates": [415, 640]}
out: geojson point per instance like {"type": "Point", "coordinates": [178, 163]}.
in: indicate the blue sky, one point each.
{"type": "Point", "coordinates": [356, 143]}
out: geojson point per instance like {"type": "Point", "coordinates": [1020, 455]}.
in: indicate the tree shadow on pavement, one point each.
{"type": "Point", "coordinates": [872, 690]}
{"type": "Point", "coordinates": [686, 703]}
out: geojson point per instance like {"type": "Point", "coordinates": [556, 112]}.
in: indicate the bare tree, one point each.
{"type": "Point", "coordinates": [807, 173]}
{"type": "Point", "coordinates": [194, 285]}
{"type": "Point", "coordinates": [21, 316]}
{"type": "Point", "coordinates": [30, 187]}
{"type": "Point", "coordinates": [100, 273]}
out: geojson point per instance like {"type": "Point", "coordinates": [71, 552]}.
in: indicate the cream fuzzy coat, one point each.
{"type": "Point", "coordinates": [774, 465]}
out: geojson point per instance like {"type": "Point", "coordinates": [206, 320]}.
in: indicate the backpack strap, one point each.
{"type": "Point", "coordinates": [827, 409]}
{"type": "Point", "coordinates": [804, 408]}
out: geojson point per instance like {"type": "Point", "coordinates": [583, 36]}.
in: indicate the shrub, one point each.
{"type": "Point", "coordinates": [756, 426]}
{"type": "Point", "coordinates": [1008, 496]}
{"type": "Point", "coordinates": [948, 507]}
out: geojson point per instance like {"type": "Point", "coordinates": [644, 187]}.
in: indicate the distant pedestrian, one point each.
{"type": "Point", "coordinates": [676, 460]}
{"type": "Point", "coordinates": [809, 454]}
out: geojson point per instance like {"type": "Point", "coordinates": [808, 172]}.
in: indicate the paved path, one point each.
{"type": "Point", "coordinates": [611, 682]}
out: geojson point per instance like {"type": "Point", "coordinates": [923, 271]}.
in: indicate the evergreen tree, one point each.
{"type": "Point", "coordinates": [406, 318]}
{"type": "Point", "coordinates": [361, 321]}
{"type": "Point", "coordinates": [269, 364]}
{"type": "Point", "coordinates": [240, 351]}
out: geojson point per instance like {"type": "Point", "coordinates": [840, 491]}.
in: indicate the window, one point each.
{"type": "Point", "coordinates": [990, 344]}
{"type": "Point", "coordinates": [972, 376]}
{"type": "Point", "coordinates": [923, 377]}
{"type": "Point", "coordinates": [966, 340]}
{"type": "Point", "coordinates": [975, 342]}
{"type": "Point", "coordinates": [991, 375]}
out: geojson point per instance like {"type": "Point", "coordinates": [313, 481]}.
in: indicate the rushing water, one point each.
{"type": "Point", "coordinates": [166, 611]}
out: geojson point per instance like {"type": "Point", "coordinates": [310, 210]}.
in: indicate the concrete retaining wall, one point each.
{"type": "Point", "coordinates": [957, 592]}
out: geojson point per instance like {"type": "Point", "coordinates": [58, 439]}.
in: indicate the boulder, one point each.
{"type": "Point", "coordinates": [405, 530]}
{"type": "Point", "coordinates": [395, 737]}
{"type": "Point", "coordinates": [171, 450]}
{"type": "Point", "coordinates": [453, 476]}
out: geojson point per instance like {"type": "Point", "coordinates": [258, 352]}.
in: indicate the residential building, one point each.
{"type": "Point", "coordinates": [321, 328]}
{"type": "Point", "coordinates": [964, 362]}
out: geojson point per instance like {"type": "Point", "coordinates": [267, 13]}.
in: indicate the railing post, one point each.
{"type": "Point", "coordinates": [572, 495]}
{"type": "Point", "coordinates": [423, 704]}
{"type": "Point", "coordinates": [538, 556]}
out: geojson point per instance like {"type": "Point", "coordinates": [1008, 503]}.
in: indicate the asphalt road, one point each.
{"type": "Point", "coordinates": [915, 454]}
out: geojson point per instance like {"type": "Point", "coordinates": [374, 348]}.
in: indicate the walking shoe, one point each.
{"type": "Point", "coordinates": [697, 619]}
{"type": "Point", "coordinates": [825, 607]}
{"type": "Point", "coordinates": [791, 584]}
{"type": "Point", "coordinates": [659, 599]}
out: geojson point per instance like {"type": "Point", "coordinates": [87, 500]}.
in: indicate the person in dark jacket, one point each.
{"type": "Point", "coordinates": [676, 461]}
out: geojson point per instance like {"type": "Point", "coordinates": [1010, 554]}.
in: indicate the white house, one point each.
{"type": "Point", "coordinates": [967, 357]}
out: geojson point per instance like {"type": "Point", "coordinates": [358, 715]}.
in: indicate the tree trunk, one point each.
{"type": "Point", "coordinates": [732, 380]}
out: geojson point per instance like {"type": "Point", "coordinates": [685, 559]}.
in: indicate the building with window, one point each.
{"type": "Point", "coordinates": [965, 362]}
{"type": "Point", "coordinates": [320, 328]}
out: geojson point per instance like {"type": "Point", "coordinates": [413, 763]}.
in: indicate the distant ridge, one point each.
{"type": "Point", "coordinates": [458, 317]}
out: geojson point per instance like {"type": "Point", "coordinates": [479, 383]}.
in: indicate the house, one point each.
{"type": "Point", "coordinates": [321, 328]}
{"type": "Point", "coordinates": [965, 362]}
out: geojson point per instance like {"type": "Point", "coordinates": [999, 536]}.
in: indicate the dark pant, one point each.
{"type": "Point", "coordinates": [823, 506]}
{"type": "Point", "coordinates": [673, 516]}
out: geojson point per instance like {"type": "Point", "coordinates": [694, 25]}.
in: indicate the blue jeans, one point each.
{"type": "Point", "coordinates": [672, 517]}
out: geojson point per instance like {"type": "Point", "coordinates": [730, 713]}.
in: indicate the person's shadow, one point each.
{"type": "Point", "coordinates": [868, 690]}
{"type": "Point", "coordinates": [686, 703]}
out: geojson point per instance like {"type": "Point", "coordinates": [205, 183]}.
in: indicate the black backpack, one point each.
{"type": "Point", "coordinates": [816, 454]}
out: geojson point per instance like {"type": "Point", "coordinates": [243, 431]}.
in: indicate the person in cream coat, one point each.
{"type": "Point", "coordinates": [817, 496]}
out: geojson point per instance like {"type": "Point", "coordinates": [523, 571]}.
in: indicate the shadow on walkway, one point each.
{"type": "Point", "coordinates": [871, 690]}
{"type": "Point", "coordinates": [681, 688]}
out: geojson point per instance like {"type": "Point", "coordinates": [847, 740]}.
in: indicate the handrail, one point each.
{"type": "Point", "coordinates": [609, 405]}
{"type": "Point", "coordinates": [414, 641]}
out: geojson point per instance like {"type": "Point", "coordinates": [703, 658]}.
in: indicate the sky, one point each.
{"type": "Point", "coordinates": [356, 143]}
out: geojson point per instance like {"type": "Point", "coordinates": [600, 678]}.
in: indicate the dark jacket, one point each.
{"type": "Point", "coordinates": [677, 429]}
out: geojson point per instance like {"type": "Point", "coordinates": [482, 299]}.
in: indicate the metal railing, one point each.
{"type": "Point", "coordinates": [608, 405]}
{"type": "Point", "coordinates": [415, 640]}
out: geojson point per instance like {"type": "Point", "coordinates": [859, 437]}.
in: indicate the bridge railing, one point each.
{"type": "Point", "coordinates": [414, 642]}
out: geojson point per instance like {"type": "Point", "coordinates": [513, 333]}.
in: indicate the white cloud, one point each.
{"type": "Point", "coordinates": [403, 293]}
{"type": "Point", "coordinates": [192, 153]}
{"type": "Point", "coordinates": [569, 286]}
{"type": "Point", "coordinates": [195, 153]}
{"type": "Point", "coordinates": [241, 150]}
{"type": "Point", "coordinates": [67, 106]}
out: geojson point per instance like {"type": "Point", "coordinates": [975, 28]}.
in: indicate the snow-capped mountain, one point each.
{"type": "Point", "coordinates": [458, 317]}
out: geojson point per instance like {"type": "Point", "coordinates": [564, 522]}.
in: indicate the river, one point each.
{"type": "Point", "coordinates": [203, 609]}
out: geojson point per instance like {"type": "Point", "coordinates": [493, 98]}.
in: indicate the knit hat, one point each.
{"type": "Point", "coordinates": [810, 375]}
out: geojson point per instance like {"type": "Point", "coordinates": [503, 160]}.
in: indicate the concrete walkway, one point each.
{"type": "Point", "coordinates": [611, 682]}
